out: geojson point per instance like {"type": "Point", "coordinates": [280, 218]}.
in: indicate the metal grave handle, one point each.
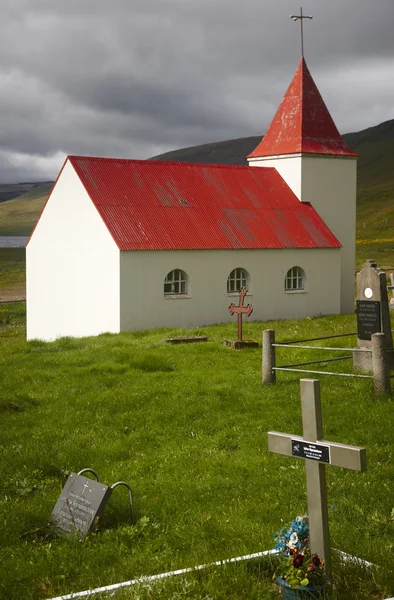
{"type": "Point", "coordinates": [130, 497]}
{"type": "Point", "coordinates": [89, 471]}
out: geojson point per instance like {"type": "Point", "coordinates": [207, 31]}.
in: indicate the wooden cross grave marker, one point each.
{"type": "Point", "coordinates": [317, 453]}
{"type": "Point", "coordinates": [240, 310]}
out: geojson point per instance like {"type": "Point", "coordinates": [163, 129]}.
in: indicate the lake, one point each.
{"type": "Point", "coordinates": [13, 241]}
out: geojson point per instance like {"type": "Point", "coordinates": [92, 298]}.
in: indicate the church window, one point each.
{"type": "Point", "coordinates": [295, 280]}
{"type": "Point", "coordinates": [175, 284]}
{"type": "Point", "coordinates": [237, 279]}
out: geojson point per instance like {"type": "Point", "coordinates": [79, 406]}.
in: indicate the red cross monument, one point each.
{"type": "Point", "coordinates": [240, 310]}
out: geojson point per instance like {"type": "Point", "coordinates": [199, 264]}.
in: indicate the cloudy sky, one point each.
{"type": "Point", "coordinates": [134, 78]}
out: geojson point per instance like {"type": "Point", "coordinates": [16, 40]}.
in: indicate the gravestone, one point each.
{"type": "Point", "coordinates": [80, 504]}
{"type": "Point", "coordinates": [239, 311]}
{"type": "Point", "coordinates": [373, 315]}
{"type": "Point", "coordinates": [391, 288]}
{"type": "Point", "coordinates": [317, 452]}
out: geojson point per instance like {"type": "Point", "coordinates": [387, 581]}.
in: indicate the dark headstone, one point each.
{"type": "Point", "coordinates": [81, 502]}
{"type": "Point", "coordinates": [373, 315]}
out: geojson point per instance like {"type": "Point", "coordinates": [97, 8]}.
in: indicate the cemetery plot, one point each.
{"type": "Point", "coordinates": [193, 439]}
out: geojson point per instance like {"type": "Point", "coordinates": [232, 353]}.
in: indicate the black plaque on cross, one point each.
{"type": "Point", "coordinates": [317, 452]}
{"type": "Point", "coordinates": [368, 318]}
{"type": "Point", "coordinates": [80, 504]}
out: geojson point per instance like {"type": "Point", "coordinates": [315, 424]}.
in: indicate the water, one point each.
{"type": "Point", "coordinates": [13, 241]}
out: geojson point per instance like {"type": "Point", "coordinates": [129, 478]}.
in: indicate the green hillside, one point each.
{"type": "Point", "coordinates": [19, 215]}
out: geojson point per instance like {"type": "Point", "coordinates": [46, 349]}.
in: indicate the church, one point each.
{"type": "Point", "coordinates": [124, 245]}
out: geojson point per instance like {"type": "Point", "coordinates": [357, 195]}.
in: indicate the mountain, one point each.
{"type": "Point", "coordinates": [14, 190]}
{"type": "Point", "coordinates": [375, 146]}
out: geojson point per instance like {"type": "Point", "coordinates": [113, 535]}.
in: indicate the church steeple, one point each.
{"type": "Point", "coordinates": [302, 123]}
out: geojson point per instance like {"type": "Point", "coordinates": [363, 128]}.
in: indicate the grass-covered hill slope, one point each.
{"type": "Point", "coordinates": [19, 214]}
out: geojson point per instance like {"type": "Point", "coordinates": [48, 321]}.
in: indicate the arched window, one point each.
{"type": "Point", "coordinates": [295, 279]}
{"type": "Point", "coordinates": [237, 279]}
{"type": "Point", "coordinates": [176, 283]}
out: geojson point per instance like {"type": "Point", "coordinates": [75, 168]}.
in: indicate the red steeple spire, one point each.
{"type": "Point", "coordinates": [302, 122]}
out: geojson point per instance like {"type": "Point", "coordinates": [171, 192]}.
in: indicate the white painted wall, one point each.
{"type": "Point", "coordinates": [72, 267]}
{"type": "Point", "coordinates": [289, 166]}
{"type": "Point", "coordinates": [143, 304]}
{"type": "Point", "coordinates": [329, 183]}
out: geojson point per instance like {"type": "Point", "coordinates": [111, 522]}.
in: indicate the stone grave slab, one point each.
{"type": "Point", "coordinates": [186, 339]}
{"type": "Point", "coordinates": [81, 502]}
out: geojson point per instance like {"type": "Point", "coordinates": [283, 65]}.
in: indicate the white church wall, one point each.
{"type": "Point", "coordinates": [329, 183]}
{"type": "Point", "coordinates": [143, 304]}
{"type": "Point", "coordinates": [72, 267]}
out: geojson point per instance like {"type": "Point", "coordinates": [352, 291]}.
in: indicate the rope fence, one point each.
{"type": "Point", "coordinates": [314, 362]}
{"type": "Point", "coordinates": [327, 337]}
{"type": "Point", "coordinates": [379, 360]}
{"type": "Point", "coordinates": [323, 372]}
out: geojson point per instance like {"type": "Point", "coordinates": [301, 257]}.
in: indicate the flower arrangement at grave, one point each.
{"type": "Point", "coordinates": [299, 573]}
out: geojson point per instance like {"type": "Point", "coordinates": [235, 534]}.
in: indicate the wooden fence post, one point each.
{"type": "Point", "coordinates": [269, 361]}
{"type": "Point", "coordinates": [380, 365]}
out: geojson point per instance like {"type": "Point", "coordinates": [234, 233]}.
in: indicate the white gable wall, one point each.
{"type": "Point", "coordinates": [289, 167]}
{"type": "Point", "coordinates": [72, 267]}
{"type": "Point", "coordinates": [143, 304]}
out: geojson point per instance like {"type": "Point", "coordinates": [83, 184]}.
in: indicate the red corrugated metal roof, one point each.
{"type": "Point", "coordinates": [149, 205]}
{"type": "Point", "coordinates": [302, 122]}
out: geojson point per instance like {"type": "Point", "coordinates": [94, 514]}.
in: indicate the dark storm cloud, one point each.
{"type": "Point", "coordinates": [135, 78]}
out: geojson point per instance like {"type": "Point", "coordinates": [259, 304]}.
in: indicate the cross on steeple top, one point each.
{"type": "Point", "coordinates": [300, 18]}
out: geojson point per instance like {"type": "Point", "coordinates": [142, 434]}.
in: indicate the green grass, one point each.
{"type": "Point", "coordinates": [12, 272]}
{"type": "Point", "coordinates": [186, 426]}
{"type": "Point", "coordinates": [375, 225]}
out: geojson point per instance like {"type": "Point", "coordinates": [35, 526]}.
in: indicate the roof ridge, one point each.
{"type": "Point", "coordinates": [149, 161]}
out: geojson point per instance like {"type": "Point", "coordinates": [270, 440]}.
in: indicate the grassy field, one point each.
{"type": "Point", "coordinates": [12, 272]}
{"type": "Point", "coordinates": [186, 426]}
